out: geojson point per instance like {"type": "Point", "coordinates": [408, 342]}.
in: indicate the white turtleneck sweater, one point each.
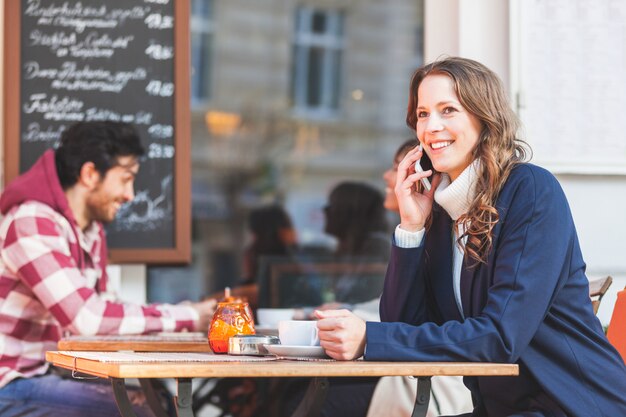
{"type": "Point", "coordinates": [455, 198]}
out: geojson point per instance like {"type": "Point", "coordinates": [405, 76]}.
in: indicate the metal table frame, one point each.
{"type": "Point", "coordinates": [311, 405]}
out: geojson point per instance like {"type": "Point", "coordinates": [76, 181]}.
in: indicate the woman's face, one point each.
{"type": "Point", "coordinates": [448, 132]}
{"type": "Point", "coordinates": [389, 176]}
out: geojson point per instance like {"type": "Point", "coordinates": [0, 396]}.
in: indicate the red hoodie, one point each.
{"type": "Point", "coordinates": [41, 183]}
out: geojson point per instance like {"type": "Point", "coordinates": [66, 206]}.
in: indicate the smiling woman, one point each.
{"type": "Point", "coordinates": [445, 128]}
{"type": "Point", "coordinates": [472, 276]}
{"type": "Point", "coordinates": [472, 122]}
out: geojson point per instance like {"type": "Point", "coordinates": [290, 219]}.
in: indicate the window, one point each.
{"type": "Point", "coordinates": [201, 45]}
{"type": "Point", "coordinates": [273, 124]}
{"type": "Point", "coordinates": [318, 46]}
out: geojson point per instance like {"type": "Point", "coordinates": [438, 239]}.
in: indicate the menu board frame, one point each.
{"type": "Point", "coordinates": [180, 252]}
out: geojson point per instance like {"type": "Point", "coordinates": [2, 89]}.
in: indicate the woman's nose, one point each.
{"type": "Point", "coordinates": [435, 123]}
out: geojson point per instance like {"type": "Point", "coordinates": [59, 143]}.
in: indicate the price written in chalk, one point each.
{"type": "Point", "coordinates": [158, 21]}
{"type": "Point", "coordinates": [161, 131]}
{"type": "Point", "coordinates": [159, 151]}
{"type": "Point", "coordinates": [160, 52]}
{"type": "Point", "coordinates": [159, 88]}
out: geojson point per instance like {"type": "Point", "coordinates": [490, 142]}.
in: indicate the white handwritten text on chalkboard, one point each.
{"type": "Point", "coordinates": [97, 60]}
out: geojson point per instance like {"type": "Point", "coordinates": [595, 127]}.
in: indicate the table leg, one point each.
{"type": "Point", "coordinates": [183, 400]}
{"type": "Point", "coordinates": [121, 397]}
{"type": "Point", "coordinates": [422, 398]}
{"type": "Point", "coordinates": [152, 397]}
{"type": "Point", "coordinates": [314, 398]}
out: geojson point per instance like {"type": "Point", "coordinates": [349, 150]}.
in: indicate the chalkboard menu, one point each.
{"type": "Point", "coordinates": [95, 60]}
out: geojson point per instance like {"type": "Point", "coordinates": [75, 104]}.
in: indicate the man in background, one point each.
{"type": "Point", "coordinates": [53, 280]}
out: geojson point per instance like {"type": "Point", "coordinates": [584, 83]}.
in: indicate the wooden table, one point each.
{"type": "Point", "coordinates": [170, 342]}
{"type": "Point", "coordinates": [183, 372]}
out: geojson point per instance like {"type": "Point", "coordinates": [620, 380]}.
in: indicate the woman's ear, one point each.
{"type": "Point", "coordinates": [89, 175]}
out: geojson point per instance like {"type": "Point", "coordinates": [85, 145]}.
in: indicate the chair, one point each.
{"type": "Point", "coordinates": [617, 327]}
{"type": "Point", "coordinates": [301, 282]}
{"type": "Point", "coordinates": [597, 289]}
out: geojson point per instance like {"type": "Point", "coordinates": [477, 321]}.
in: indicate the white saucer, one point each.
{"type": "Point", "coordinates": [290, 351]}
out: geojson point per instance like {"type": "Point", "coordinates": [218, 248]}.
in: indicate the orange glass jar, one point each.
{"type": "Point", "coordinates": [230, 319]}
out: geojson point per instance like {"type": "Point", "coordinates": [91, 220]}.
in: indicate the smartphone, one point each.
{"type": "Point", "coordinates": [418, 168]}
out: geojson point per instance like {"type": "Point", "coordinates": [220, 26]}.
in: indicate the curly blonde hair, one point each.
{"type": "Point", "coordinates": [481, 93]}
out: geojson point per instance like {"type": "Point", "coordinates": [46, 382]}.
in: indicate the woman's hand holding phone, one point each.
{"type": "Point", "coordinates": [415, 207]}
{"type": "Point", "coordinates": [418, 168]}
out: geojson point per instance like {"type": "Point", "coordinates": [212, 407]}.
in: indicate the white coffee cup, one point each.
{"type": "Point", "coordinates": [298, 333]}
{"type": "Point", "coordinates": [271, 316]}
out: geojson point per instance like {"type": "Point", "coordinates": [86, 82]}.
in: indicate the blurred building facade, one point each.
{"type": "Point", "coordinates": [289, 98]}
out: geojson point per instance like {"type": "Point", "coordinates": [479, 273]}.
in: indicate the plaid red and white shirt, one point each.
{"type": "Point", "coordinates": [44, 293]}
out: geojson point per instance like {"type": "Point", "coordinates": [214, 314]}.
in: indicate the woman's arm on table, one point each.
{"type": "Point", "coordinates": [527, 272]}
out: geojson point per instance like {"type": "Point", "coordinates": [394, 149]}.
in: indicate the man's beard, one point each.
{"type": "Point", "coordinates": [99, 209]}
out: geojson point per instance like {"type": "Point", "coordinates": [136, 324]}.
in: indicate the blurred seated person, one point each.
{"type": "Point", "coordinates": [272, 234]}
{"type": "Point", "coordinates": [53, 281]}
{"type": "Point", "coordinates": [368, 310]}
{"type": "Point", "coordinates": [355, 215]}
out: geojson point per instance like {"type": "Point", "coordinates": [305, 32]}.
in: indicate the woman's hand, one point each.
{"type": "Point", "coordinates": [415, 207]}
{"type": "Point", "coordinates": [342, 334]}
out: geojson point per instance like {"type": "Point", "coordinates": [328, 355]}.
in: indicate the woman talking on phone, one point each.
{"type": "Point", "coordinates": [486, 266]}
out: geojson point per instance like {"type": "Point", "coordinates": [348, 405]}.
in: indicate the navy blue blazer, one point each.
{"type": "Point", "coordinates": [529, 305]}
